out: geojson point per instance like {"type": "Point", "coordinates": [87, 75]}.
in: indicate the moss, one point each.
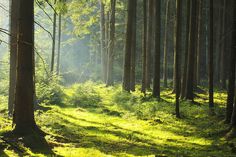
{"type": "Point", "coordinates": [128, 124]}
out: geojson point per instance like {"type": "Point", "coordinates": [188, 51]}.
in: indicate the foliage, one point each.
{"type": "Point", "coordinates": [111, 128]}
{"type": "Point", "coordinates": [48, 89]}
{"type": "Point", "coordinates": [83, 95]}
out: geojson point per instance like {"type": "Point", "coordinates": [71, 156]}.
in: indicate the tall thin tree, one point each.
{"type": "Point", "coordinates": [178, 42]}
{"type": "Point", "coordinates": [149, 43]}
{"type": "Point", "coordinates": [165, 68]}
{"type": "Point", "coordinates": [102, 40]}
{"type": "Point", "coordinates": [157, 55]}
{"type": "Point", "coordinates": [231, 93]}
{"type": "Point", "coordinates": [54, 38]}
{"type": "Point", "coordinates": [128, 46]}
{"type": "Point", "coordinates": [14, 6]}
{"type": "Point", "coordinates": [59, 44]}
{"type": "Point", "coordinates": [133, 49]}
{"type": "Point", "coordinates": [144, 46]}
{"type": "Point", "coordinates": [192, 49]}
{"type": "Point", "coordinates": [184, 74]}
{"type": "Point", "coordinates": [210, 61]}
{"type": "Point", "coordinates": [111, 45]}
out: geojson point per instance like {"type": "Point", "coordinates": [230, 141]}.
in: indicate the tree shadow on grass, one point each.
{"type": "Point", "coordinates": [103, 137]}
{"type": "Point", "coordinates": [3, 146]}
{"type": "Point", "coordinates": [36, 143]}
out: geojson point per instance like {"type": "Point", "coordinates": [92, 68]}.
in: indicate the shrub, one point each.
{"type": "Point", "coordinates": [48, 89]}
{"type": "Point", "coordinates": [83, 95]}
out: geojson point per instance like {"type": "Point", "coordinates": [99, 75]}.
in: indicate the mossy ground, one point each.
{"type": "Point", "coordinates": [99, 121]}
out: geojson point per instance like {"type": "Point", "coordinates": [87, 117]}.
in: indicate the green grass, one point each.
{"type": "Point", "coordinates": [116, 123]}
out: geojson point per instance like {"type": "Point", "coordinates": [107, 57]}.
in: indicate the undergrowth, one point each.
{"type": "Point", "coordinates": [91, 119]}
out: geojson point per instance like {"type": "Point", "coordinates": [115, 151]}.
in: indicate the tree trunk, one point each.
{"type": "Point", "coordinates": [191, 55]}
{"type": "Point", "coordinates": [111, 45]}
{"type": "Point", "coordinates": [198, 77]}
{"type": "Point", "coordinates": [210, 62]}
{"type": "Point", "coordinates": [231, 85]}
{"type": "Point", "coordinates": [102, 40]}
{"type": "Point", "coordinates": [231, 89]}
{"type": "Point", "coordinates": [149, 44]}
{"type": "Point", "coordinates": [165, 44]}
{"type": "Point", "coordinates": [133, 49]}
{"type": "Point", "coordinates": [223, 53]}
{"type": "Point", "coordinates": [157, 55]}
{"type": "Point", "coordinates": [178, 42]}
{"type": "Point", "coordinates": [23, 110]}
{"type": "Point", "coordinates": [184, 74]}
{"type": "Point", "coordinates": [107, 41]}
{"type": "Point", "coordinates": [53, 39]}
{"type": "Point", "coordinates": [144, 46]}
{"type": "Point", "coordinates": [59, 44]}
{"type": "Point", "coordinates": [129, 46]}
{"type": "Point", "coordinates": [14, 5]}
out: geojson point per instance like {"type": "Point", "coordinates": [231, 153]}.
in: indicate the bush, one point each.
{"type": "Point", "coordinates": [49, 93]}
{"type": "Point", "coordinates": [83, 95]}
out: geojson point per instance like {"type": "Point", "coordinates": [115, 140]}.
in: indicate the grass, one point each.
{"type": "Point", "coordinates": [116, 123]}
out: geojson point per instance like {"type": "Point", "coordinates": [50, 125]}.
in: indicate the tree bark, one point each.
{"type": "Point", "coordinates": [165, 44]}
{"type": "Point", "coordinates": [102, 40]}
{"type": "Point", "coordinates": [210, 62]}
{"type": "Point", "coordinates": [14, 5]}
{"type": "Point", "coordinates": [157, 55]}
{"type": "Point", "coordinates": [53, 39]}
{"type": "Point", "coordinates": [111, 45]}
{"type": "Point", "coordinates": [231, 85]}
{"type": "Point", "coordinates": [178, 42]}
{"type": "Point", "coordinates": [129, 46]}
{"type": "Point", "coordinates": [133, 49]}
{"type": "Point", "coordinates": [199, 34]}
{"type": "Point", "coordinates": [184, 74]}
{"type": "Point", "coordinates": [190, 70]}
{"type": "Point", "coordinates": [149, 44]}
{"type": "Point", "coordinates": [59, 44]}
{"type": "Point", "coordinates": [223, 53]}
{"type": "Point", "coordinates": [144, 46]}
{"type": "Point", "coordinates": [23, 117]}
{"type": "Point", "coordinates": [231, 89]}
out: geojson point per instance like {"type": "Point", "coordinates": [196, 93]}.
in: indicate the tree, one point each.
{"type": "Point", "coordinates": [149, 43]}
{"type": "Point", "coordinates": [111, 45]}
{"type": "Point", "coordinates": [59, 44]}
{"type": "Point", "coordinates": [133, 49]}
{"type": "Point", "coordinates": [103, 41]}
{"type": "Point", "coordinates": [231, 85]}
{"type": "Point", "coordinates": [23, 117]}
{"type": "Point", "coordinates": [129, 46]}
{"type": "Point", "coordinates": [53, 38]}
{"type": "Point", "coordinates": [144, 47]}
{"type": "Point", "coordinates": [192, 49]}
{"type": "Point", "coordinates": [14, 5]}
{"type": "Point", "coordinates": [184, 74]}
{"type": "Point", "coordinates": [223, 64]}
{"type": "Point", "coordinates": [165, 44]}
{"type": "Point", "coordinates": [210, 61]}
{"type": "Point", "coordinates": [198, 54]}
{"type": "Point", "coordinates": [231, 89]}
{"type": "Point", "coordinates": [178, 42]}
{"type": "Point", "coordinates": [157, 55]}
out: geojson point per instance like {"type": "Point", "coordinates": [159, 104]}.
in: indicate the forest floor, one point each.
{"type": "Point", "coordinates": [95, 121]}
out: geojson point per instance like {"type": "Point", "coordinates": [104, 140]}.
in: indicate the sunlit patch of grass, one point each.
{"type": "Point", "coordinates": [130, 124]}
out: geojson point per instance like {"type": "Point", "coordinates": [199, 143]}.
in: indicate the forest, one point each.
{"type": "Point", "coordinates": [117, 78]}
